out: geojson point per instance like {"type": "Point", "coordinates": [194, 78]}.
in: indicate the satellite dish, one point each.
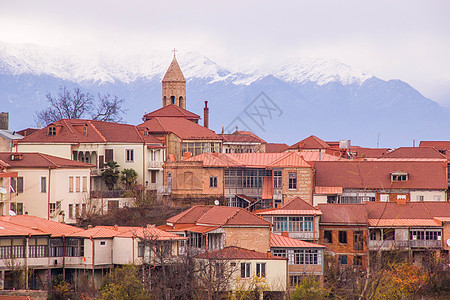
{"type": "Point", "coordinates": [11, 213]}
{"type": "Point", "coordinates": [448, 242]}
{"type": "Point", "coordinates": [3, 190]}
{"type": "Point", "coordinates": [217, 203]}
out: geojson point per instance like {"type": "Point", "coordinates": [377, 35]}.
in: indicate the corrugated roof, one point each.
{"type": "Point", "coordinates": [377, 174]}
{"type": "Point", "coordinates": [10, 135]}
{"type": "Point", "coordinates": [12, 229]}
{"type": "Point", "coordinates": [362, 152]}
{"type": "Point", "coordinates": [238, 253]}
{"type": "Point", "coordinates": [152, 233]}
{"type": "Point", "coordinates": [55, 229]}
{"type": "Point", "coordinates": [276, 147]}
{"type": "Point", "coordinates": [279, 241]}
{"type": "Point", "coordinates": [343, 214]}
{"type": "Point", "coordinates": [328, 190]}
{"type": "Point", "coordinates": [414, 152]}
{"type": "Point", "coordinates": [40, 160]}
{"type": "Point", "coordinates": [441, 145]}
{"type": "Point", "coordinates": [289, 212]}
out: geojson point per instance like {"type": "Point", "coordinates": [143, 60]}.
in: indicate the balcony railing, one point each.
{"type": "Point", "coordinates": [155, 164]}
{"type": "Point", "coordinates": [109, 194]}
{"type": "Point", "coordinates": [387, 245]}
{"type": "Point", "coordinates": [426, 244]}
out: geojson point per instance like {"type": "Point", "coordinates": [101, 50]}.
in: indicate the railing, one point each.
{"type": "Point", "coordinates": [387, 245]}
{"type": "Point", "coordinates": [56, 211]}
{"type": "Point", "coordinates": [109, 194]}
{"type": "Point", "coordinates": [12, 251]}
{"type": "Point", "coordinates": [155, 164]}
{"type": "Point", "coordinates": [426, 244]}
{"type": "Point", "coordinates": [163, 190]}
{"type": "Point", "coordinates": [38, 251]}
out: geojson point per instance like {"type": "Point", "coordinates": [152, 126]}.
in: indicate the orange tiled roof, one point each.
{"type": "Point", "coordinates": [238, 253]}
{"type": "Point", "coordinates": [252, 134]}
{"type": "Point", "coordinates": [12, 229]}
{"type": "Point", "coordinates": [403, 223]}
{"type": "Point", "coordinates": [150, 233]}
{"type": "Point", "coordinates": [377, 174]}
{"type": "Point", "coordinates": [295, 206]}
{"type": "Point", "coordinates": [362, 152]}
{"type": "Point", "coordinates": [174, 72]}
{"type": "Point", "coordinates": [441, 145]}
{"type": "Point", "coordinates": [343, 214]}
{"type": "Point", "coordinates": [414, 152]}
{"type": "Point", "coordinates": [44, 226]}
{"type": "Point", "coordinates": [276, 147]}
{"type": "Point", "coordinates": [40, 160]}
{"type": "Point", "coordinates": [279, 241]}
{"type": "Point", "coordinates": [183, 128]}
{"type": "Point", "coordinates": [311, 142]}
{"type": "Point", "coordinates": [171, 110]}
{"type": "Point", "coordinates": [72, 131]}
{"type": "Point", "coordinates": [217, 216]}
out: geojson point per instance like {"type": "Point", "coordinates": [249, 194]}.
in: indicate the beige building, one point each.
{"type": "Point", "coordinates": [45, 186]}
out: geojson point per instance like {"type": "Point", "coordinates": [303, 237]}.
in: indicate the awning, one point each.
{"type": "Point", "coordinates": [9, 174]}
{"type": "Point", "coordinates": [267, 192]}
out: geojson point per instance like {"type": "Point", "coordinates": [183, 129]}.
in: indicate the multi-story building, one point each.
{"type": "Point", "coordinates": [43, 185]}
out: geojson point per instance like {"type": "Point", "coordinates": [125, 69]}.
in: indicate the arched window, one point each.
{"type": "Point", "coordinates": [165, 100]}
{"type": "Point", "coordinates": [172, 99]}
{"type": "Point", "coordinates": [180, 101]}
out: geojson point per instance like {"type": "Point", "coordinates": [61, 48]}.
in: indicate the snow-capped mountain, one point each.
{"type": "Point", "coordinates": [309, 95]}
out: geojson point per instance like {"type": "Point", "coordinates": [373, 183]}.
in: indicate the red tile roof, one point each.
{"type": "Point", "coordinates": [71, 131]}
{"type": "Point", "coordinates": [414, 152]}
{"type": "Point", "coordinates": [292, 159]}
{"type": "Point", "coordinates": [238, 253]}
{"type": "Point", "coordinates": [354, 214]}
{"type": "Point", "coordinates": [151, 233]}
{"type": "Point", "coordinates": [377, 174]}
{"type": "Point", "coordinates": [174, 72]}
{"type": "Point", "coordinates": [183, 128]}
{"type": "Point", "coordinates": [441, 145]}
{"type": "Point", "coordinates": [362, 152]}
{"type": "Point", "coordinates": [276, 147]}
{"type": "Point", "coordinates": [11, 229]}
{"type": "Point", "coordinates": [171, 110]}
{"type": "Point", "coordinates": [279, 241]}
{"type": "Point", "coordinates": [240, 138]}
{"type": "Point", "coordinates": [311, 142]}
{"type": "Point", "coordinates": [40, 160]}
{"type": "Point", "coordinates": [328, 190]}
{"type": "Point", "coordinates": [404, 223]}
{"type": "Point", "coordinates": [295, 206]}
{"type": "Point", "coordinates": [217, 216]}
{"type": "Point", "coordinates": [99, 232]}
{"type": "Point", "coordinates": [44, 226]}
{"type": "Point", "coordinates": [252, 134]}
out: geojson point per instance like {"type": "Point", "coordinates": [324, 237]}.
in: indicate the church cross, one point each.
{"type": "Point", "coordinates": [174, 50]}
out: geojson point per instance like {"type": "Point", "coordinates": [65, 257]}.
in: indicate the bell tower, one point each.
{"type": "Point", "coordinates": [174, 85]}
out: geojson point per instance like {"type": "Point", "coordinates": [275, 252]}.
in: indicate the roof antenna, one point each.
{"type": "Point", "coordinates": [174, 50]}
{"type": "Point", "coordinates": [378, 140]}
{"type": "Point", "coordinates": [414, 143]}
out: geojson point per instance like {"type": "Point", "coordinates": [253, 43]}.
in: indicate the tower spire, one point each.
{"type": "Point", "coordinates": [174, 85]}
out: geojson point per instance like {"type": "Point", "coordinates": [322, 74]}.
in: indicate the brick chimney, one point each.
{"type": "Point", "coordinates": [4, 120]}
{"type": "Point", "coordinates": [285, 233]}
{"type": "Point", "coordinates": [206, 115]}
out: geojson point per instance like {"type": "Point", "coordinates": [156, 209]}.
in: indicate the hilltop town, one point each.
{"type": "Point", "coordinates": [232, 215]}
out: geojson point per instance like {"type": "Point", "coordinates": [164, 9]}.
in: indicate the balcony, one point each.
{"type": "Point", "coordinates": [155, 165]}
{"type": "Point", "coordinates": [109, 194]}
{"type": "Point", "coordinates": [96, 172]}
{"type": "Point", "coordinates": [426, 244]}
{"type": "Point", "coordinates": [375, 245]}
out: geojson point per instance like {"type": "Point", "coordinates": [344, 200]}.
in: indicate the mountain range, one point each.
{"type": "Point", "coordinates": [280, 103]}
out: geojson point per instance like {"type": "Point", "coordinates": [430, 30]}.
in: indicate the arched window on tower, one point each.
{"type": "Point", "coordinates": [181, 101]}
{"type": "Point", "coordinates": [172, 99]}
{"type": "Point", "coordinates": [165, 100]}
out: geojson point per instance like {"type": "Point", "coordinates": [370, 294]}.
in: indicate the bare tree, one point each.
{"type": "Point", "coordinates": [78, 105]}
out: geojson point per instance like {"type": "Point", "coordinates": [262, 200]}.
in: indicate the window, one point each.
{"type": "Point", "coordinates": [261, 269]}
{"type": "Point", "coordinates": [109, 155]}
{"type": "Point", "coordinates": [70, 211]}
{"type": "Point", "coordinates": [328, 236]}
{"type": "Point", "coordinates": [357, 261]}
{"type": "Point", "coordinates": [52, 208]}
{"type": "Point", "coordinates": [52, 130]}
{"type": "Point", "coordinates": [77, 184]}
{"type": "Point", "coordinates": [245, 270]}
{"type": "Point", "coordinates": [357, 240]}
{"type": "Point", "coordinates": [77, 210]}
{"type": "Point", "coordinates": [17, 208]}
{"type": "Point", "coordinates": [384, 197]}
{"type": "Point", "coordinates": [419, 198]}
{"type": "Point", "coordinates": [308, 224]}
{"type": "Point", "coordinates": [295, 280]}
{"type": "Point", "coordinates": [102, 243]}
{"type": "Point", "coordinates": [70, 184]}
{"type": "Point", "coordinates": [280, 224]}
{"type": "Point", "coordinates": [299, 257]}
{"type": "Point", "coordinates": [279, 252]}
{"type": "Point", "coordinates": [292, 181]}
{"type": "Point", "coordinates": [436, 198]}
{"type": "Point", "coordinates": [83, 210]}
{"type": "Point", "coordinates": [84, 130]}
{"type": "Point", "coordinates": [277, 180]}
{"type": "Point", "coordinates": [129, 155]}
{"type": "Point", "coordinates": [343, 237]}
{"type": "Point", "coordinates": [399, 176]}
{"type": "Point", "coordinates": [16, 185]}
{"type": "Point", "coordinates": [342, 259]}
{"type": "Point", "coordinates": [141, 249]}
{"type": "Point", "coordinates": [101, 161]}
{"type": "Point", "coordinates": [212, 181]}
{"type": "Point", "coordinates": [389, 234]}
{"type": "Point", "coordinates": [113, 204]}
{"type": "Point", "coordinates": [153, 176]}
{"type": "Point", "coordinates": [85, 184]}
{"type": "Point", "coordinates": [43, 184]}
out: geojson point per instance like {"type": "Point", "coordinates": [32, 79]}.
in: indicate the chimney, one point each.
{"type": "Point", "coordinates": [206, 115]}
{"type": "Point", "coordinates": [269, 254]}
{"type": "Point", "coordinates": [285, 233]}
{"type": "Point", "coordinates": [116, 227]}
{"type": "Point", "coordinates": [90, 226]}
{"type": "Point", "coordinates": [151, 225]}
{"type": "Point", "coordinates": [4, 120]}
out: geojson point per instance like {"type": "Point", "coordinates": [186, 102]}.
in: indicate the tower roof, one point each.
{"type": "Point", "coordinates": [174, 73]}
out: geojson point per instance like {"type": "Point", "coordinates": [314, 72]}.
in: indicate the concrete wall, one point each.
{"type": "Point", "coordinates": [60, 150]}
{"type": "Point", "coordinates": [428, 195]}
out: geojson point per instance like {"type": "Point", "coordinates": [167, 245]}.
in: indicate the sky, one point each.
{"type": "Point", "coordinates": [407, 40]}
